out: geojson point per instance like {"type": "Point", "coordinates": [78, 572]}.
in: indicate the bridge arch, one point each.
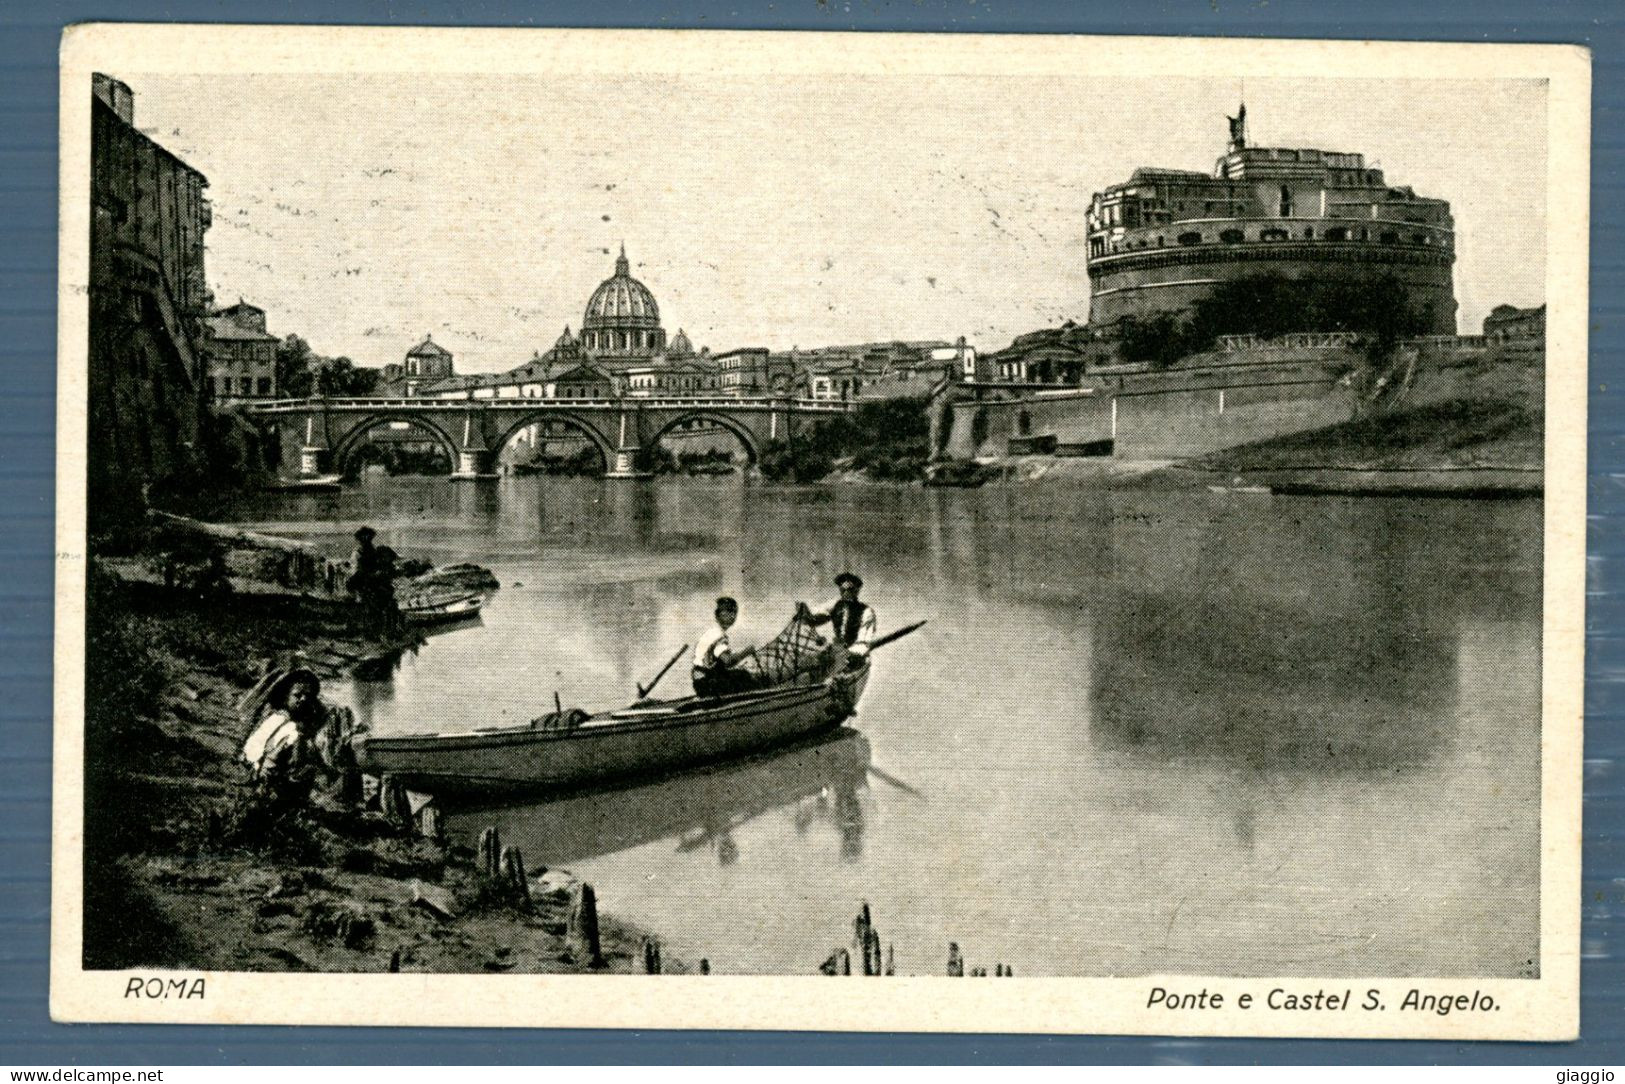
{"type": "Point", "coordinates": [606, 449]}
{"type": "Point", "coordinates": [346, 445]}
{"type": "Point", "coordinates": [741, 432]}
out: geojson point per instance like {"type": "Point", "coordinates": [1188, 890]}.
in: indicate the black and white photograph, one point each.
{"type": "Point", "coordinates": [1100, 516]}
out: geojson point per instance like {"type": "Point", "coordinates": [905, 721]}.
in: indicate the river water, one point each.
{"type": "Point", "coordinates": [1143, 732]}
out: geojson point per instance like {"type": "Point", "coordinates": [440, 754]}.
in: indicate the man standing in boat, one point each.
{"type": "Point", "coordinates": [853, 622]}
{"type": "Point", "coordinates": [372, 576]}
{"type": "Point", "coordinates": [716, 665]}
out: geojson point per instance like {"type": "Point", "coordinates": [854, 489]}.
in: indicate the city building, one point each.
{"type": "Point", "coordinates": [1166, 237]}
{"type": "Point", "coordinates": [148, 300]}
{"type": "Point", "coordinates": [242, 355]}
{"type": "Point", "coordinates": [622, 322]}
{"type": "Point", "coordinates": [586, 381]}
{"type": "Point", "coordinates": [754, 370]}
{"type": "Point", "coordinates": [1510, 324]}
{"type": "Point", "coordinates": [673, 378]}
{"type": "Point", "coordinates": [622, 350]}
{"type": "Point", "coordinates": [836, 379]}
{"type": "Point", "coordinates": [425, 363]}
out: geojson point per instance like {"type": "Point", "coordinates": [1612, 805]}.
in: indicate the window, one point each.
{"type": "Point", "coordinates": [264, 385]}
{"type": "Point", "coordinates": [1232, 237]}
{"type": "Point", "coordinates": [1286, 202]}
{"type": "Point", "coordinates": [1389, 237]}
{"type": "Point", "coordinates": [1192, 238]}
{"type": "Point", "coordinates": [1337, 233]}
{"type": "Point", "coordinates": [247, 385]}
{"type": "Point", "coordinates": [1308, 233]}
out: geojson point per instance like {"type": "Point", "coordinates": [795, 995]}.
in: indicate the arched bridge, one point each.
{"type": "Point", "coordinates": [321, 434]}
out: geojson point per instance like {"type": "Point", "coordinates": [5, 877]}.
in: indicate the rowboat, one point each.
{"type": "Point", "coordinates": [325, 483]}
{"type": "Point", "coordinates": [568, 750]}
{"type": "Point", "coordinates": [431, 608]}
{"type": "Point", "coordinates": [461, 577]}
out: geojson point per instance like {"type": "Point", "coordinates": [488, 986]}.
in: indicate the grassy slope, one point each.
{"type": "Point", "coordinates": [1453, 435]}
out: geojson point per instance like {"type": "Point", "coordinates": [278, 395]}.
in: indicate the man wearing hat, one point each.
{"type": "Point", "coordinates": [853, 622]}
{"type": "Point", "coordinates": [371, 576]}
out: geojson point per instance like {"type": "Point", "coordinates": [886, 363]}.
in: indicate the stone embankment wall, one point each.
{"type": "Point", "coordinates": [1220, 400]}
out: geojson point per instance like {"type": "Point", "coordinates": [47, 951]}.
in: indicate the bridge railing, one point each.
{"type": "Point", "coordinates": [424, 402]}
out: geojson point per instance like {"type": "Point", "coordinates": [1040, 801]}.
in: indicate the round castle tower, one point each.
{"type": "Point", "coordinates": [1166, 237]}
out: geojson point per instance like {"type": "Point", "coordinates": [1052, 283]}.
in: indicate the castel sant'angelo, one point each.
{"type": "Point", "coordinates": [1165, 237]}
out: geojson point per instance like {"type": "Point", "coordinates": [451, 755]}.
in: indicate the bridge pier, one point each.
{"type": "Point", "coordinates": [314, 461]}
{"type": "Point", "coordinates": [626, 463]}
{"type": "Point", "coordinates": [474, 463]}
{"type": "Point", "coordinates": [474, 460]}
{"type": "Point", "coordinates": [628, 448]}
{"type": "Point", "coordinates": [315, 458]}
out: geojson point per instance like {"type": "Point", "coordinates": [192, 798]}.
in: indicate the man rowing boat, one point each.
{"type": "Point", "coordinates": [853, 622]}
{"type": "Point", "coordinates": [716, 665]}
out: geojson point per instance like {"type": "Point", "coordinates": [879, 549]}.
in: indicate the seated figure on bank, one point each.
{"type": "Point", "coordinates": [292, 750]}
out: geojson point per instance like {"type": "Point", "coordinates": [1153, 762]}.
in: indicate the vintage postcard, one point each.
{"type": "Point", "coordinates": [653, 529]}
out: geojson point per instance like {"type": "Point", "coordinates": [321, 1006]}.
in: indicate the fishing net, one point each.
{"type": "Point", "coordinates": [796, 650]}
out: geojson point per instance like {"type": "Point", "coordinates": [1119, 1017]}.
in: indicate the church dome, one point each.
{"type": "Point", "coordinates": [622, 318]}
{"type": "Point", "coordinates": [680, 344]}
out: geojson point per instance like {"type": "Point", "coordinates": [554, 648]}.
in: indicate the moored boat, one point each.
{"type": "Point", "coordinates": [325, 483]}
{"type": "Point", "coordinates": [435, 607]}
{"type": "Point", "coordinates": [570, 750]}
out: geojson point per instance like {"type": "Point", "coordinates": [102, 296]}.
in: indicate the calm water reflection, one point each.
{"type": "Point", "coordinates": [1142, 732]}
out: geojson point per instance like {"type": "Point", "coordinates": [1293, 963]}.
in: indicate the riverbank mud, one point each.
{"type": "Point", "coordinates": [169, 883]}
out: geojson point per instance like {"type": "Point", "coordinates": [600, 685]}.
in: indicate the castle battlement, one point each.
{"type": "Point", "coordinates": [1166, 237]}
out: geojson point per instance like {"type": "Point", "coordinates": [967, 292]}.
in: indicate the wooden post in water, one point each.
{"type": "Point", "coordinates": [956, 964]}
{"type": "Point", "coordinates": [429, 825]}
{"type": "Point", "coordinates": [490, 853]}
{"type": "Point", "coordinates": [392, 801]}
{"type": "Point", "coordinates": [584, 927]}
{"type": "Point", "coordinates": [513, 874]}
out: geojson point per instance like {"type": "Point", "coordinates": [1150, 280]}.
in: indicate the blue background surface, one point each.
{"type": "Point", "coordinates": [28, 163]}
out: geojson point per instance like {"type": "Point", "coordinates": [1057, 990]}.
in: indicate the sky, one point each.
{"type": "Point", "coordinates": [364, 212]}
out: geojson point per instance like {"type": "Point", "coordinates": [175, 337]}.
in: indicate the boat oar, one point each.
{"type": "Point", "coordinates": [645, 690]}
{"type": "Point", "coordinates": [897, 635]}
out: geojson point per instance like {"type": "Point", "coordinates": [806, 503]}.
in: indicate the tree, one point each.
{"type": "Point", "coordinates": [340, 378]}
{"type": "Point", "coordinates": [294, 379]}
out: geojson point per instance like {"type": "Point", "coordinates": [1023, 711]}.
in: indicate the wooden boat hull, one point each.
{"type": "Point", "coordinates": [454, 610]}
{"type": "Point", "coordinates": [643, 741]}
{"type": "Point", "coordinates": [330, 483]}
